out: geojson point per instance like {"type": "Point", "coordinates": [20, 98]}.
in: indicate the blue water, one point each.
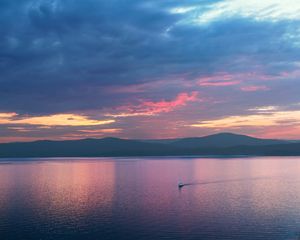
{"type": "Point", "coordinates": [250, 198]}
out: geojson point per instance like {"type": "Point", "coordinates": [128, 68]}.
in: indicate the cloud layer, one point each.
{"type": "Point", "coordinates": [156, 67]}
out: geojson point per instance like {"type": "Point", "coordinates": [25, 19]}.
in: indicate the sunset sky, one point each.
{"type": "Point", "coordinates": [74, 69]}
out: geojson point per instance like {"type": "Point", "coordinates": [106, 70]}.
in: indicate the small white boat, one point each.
{"type": "Point", "coordinates": [180, 185]}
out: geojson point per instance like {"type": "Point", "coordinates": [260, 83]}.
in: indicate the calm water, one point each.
{"type": "Point", "coordinates": [252, 198]}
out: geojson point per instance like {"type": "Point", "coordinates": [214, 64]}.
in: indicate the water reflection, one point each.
{"type": "Point", "coordinates": [139, 199]}
{"type": "Point", "coordinates": [63, 191]}
{"type": "Point", "coordinates": [68, 187]}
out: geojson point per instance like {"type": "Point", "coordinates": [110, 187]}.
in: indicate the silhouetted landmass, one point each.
{"type": "Point", "coordinates": [218, 140]}
{"type": "Point", "coordinates": [225, 144]}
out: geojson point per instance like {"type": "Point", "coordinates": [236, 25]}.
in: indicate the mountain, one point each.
{"type": "Point", "coordinates": [220, 140]}
{"type": "Point", "coordinates": [218, 144]}
{"type": "Point", "coordinates": [292, 149]}
{"type": "Point", "coordinates": [80, 148]}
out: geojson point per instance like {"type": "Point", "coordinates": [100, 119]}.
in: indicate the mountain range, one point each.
{"type": "Point", "coordinates": [225, 144]}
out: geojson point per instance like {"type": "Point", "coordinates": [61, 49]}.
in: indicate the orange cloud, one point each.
{"type": "Point", "coordinates": [149, 108]}
{"type": "Point", "coordinates": [259, 119]}
{"type": "Point", "coordinates": [96, 131]}
{"type": "Point", "coordinates": [53, 120]}
{"type": "Point", "coordinates": [4, 116]}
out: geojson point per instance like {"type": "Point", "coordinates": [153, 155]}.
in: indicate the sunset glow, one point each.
{"type": "Point", "coordinates": [280, 119]}
{"type": "Point", "coordinates": [149, 108]}
{"type": "Point", "coordinates": [149, 119]}
{"type": "Point", "coordinates": [52, 120]}
{"type": "Point", "coordinates": [77, 70]}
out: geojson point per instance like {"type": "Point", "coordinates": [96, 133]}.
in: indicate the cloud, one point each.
{"type": "Point", "coordinates": [94, 57]}
{"type": "Point", "coordinates": [52, 120]}
{"type": "Point", "coordinates": [219, 80]}
{"type": "Point", "coordinates": [90, 45]}
{"type": "Point", "coordinates": [267, 119]}
{"type": "Point", "coordinates": [254, 88]}
{"type": "Point", "coordinates": [149, 108]}
{"type": "Point", "coordinates": [97, 131]}
{"type": "Point", "coordinates": [267, 10]}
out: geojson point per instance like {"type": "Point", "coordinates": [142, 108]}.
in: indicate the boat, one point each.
{"type": "Point", "coordinates": [180, 185]}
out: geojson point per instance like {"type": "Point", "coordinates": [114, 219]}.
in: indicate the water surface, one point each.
{"type": "Point", "coordinates": [135, 198]}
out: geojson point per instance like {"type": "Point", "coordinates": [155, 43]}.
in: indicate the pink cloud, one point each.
{"type": "Point", "coordinates": [290, 132]}
{"type": "Point", "coordinates": [223, 79]}
{"type": "Point", "coordinates": [219, 80]}
{"type": "Point", "coordinates": [219, 83]}
{"type": "Point", "coordinates": [282, 75]}
{"type": "Point", "coordinates": [254, 88]}
{"type": "Point", "coordinates": [150, 108]}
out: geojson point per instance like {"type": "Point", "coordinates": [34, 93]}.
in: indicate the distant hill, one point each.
{"type": "Point", "coordinates": [219, 140]}
{"type": "Point", "coordinates": [79, 148]}
{"type": "Point", "coordinates": [218, 144]}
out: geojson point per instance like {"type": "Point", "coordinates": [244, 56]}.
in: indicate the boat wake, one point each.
{"type": "Point", "coordinates": [181, 185]}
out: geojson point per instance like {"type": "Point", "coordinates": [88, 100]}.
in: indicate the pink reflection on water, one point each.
{"type": "Point", "coordinates": [59, 187]}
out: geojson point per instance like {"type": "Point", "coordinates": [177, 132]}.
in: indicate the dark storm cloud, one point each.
{"type": "Point", "coordinates": [60, 56]}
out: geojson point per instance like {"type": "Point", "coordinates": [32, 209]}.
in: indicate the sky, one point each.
{"type": "Point", "coordinates": [149, 69]}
